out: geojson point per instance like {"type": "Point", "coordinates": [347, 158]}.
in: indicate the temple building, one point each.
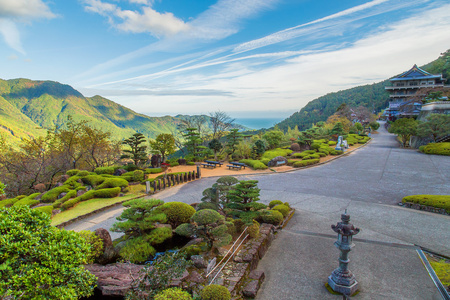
{"type": "Point", "coordinates": [404, 100]}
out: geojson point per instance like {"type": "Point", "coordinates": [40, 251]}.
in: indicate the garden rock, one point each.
{"type": "Point", "coordinates": [109, 253]}
{"type": "Point", "coordinates": [61, 195]}
{"type": "Point", "coordinates": [199, 262]}
{"type": "Point", "coordinates": [196, 277]}
{"type": "Point", "coordinates": [251, 289]}
{"type": "Point", "coordinates": [80, 192]}
{"type": "Point", "coordinates": [277, 161]}
{"type": "Point", "coordinates": [119, 172]}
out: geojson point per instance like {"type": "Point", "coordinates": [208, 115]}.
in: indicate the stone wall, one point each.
{"type": "Point", "coordinates": [417, 206]}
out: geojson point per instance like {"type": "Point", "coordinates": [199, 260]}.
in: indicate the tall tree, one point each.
{"type": "Point", "coordinates": [233, 138]}
{"type": "Point", "coordinates": [404, 128]}
{"type": "Point", "coordinates": [221, 122]}
{"type": "Point", "coordinates": [138, 150]}
{"type": "Point", "coordinates": [436, 126]}
{"type": "Point", "coordinates": [164, 144]}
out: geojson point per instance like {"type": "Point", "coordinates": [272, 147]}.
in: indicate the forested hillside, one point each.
{"type": "Point", "coordinates": [28, 108]}
{"type": "Point", "coordinates": [373, 96]}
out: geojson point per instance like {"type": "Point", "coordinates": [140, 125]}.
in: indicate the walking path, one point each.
{"type": "Point", "coordinates": [369, 183]}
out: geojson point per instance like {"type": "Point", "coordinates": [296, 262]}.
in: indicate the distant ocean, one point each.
{"type": "Point", "coordinates": [258, 123]}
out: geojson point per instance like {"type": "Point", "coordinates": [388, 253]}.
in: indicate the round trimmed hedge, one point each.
{"type": "Point", "coordinates": [173, 294]}
{"type": "Point", "coordinates": [206, 216]}
{"type": "Point", "coordinates": [283, 209]}
{"type": "Point", "coordinates": [215, 292]}
{"type": "Point", "coordinates": [178, 212]}
{"type": "Point", "coordinates": [275, 202]}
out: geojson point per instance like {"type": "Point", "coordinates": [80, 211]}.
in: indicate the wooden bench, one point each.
{"type": "Point", "coordinates": [234, 167]}
{"type": "Point", "coordinates": [208, 165]}
{"type": "Point", "coordinates": [238, 164]}
{"type": "Point", "coordinates": [212, 162]}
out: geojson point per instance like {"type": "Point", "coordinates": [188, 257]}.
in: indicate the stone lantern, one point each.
{"type": "Point", "coordinates": [342, 279]}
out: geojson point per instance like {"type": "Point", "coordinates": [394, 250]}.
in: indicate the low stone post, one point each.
{"type": "Point", "coordinates": [342, 279]}
{"type": "Point", "coordinates": [199, 174]}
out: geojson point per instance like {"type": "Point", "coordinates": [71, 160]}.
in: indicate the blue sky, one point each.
{"type": "Point", "coordinates": [252, 58]}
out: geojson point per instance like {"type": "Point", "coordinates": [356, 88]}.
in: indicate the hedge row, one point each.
{"type": "Point", "coordinates": [254, 164]}
{"type": "Point", "coordinates": [436, 148]}
{"type": "Point", "coordinates": [438, 201]}
{"type": "Point", "coordinates": [104, 193]}
{"type": "Point", "coordinates": [303, 163]}
{"type": "Point", "coordinates": [9, 202]}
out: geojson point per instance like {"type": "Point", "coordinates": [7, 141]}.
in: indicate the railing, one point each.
{"type": "Point", "coordinates": [233, 249]}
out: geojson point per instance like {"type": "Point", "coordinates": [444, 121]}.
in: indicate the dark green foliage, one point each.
{"type": "Point", "coordinates": [191, 250]}
{"type": "Point", "coordinates": [134, 176]}
{"type": "Point", "coordinates": [273, 138]}
{"type": "Point", "coordinates": [271, 217]}
{"type": "Point", "coordinates": [193, 143]}
{"type": "Point", "coordinates": [35, 254]}
{"type": "Point", "coordinates": [283, 209]}
{"type": "Point", "coordinates": [404, 128]}
{"type": "Point", "coordinates": [104, 170]}
{"type": "Point", "coordinates": [153, 171]}
{"type": "Point", "coordinates": [164, 144]}
{"type": "Point", "coordinates": [206, 217]}
{"type": "Point", "coordinates": [244, 193]}
{"type": "Point", "coordinates": [94, 242]}
{"type": "Point", "coordinates": [157, 276]}
{"type": "Point", "coordinates": [217, 195]}
{"type": "Point", "coordinates": [139, 227]}
{"type": "Point", "coordinates": [253, 229]}
{"type": "Point", "coordinates": [275, 202]}
{"type": "Point", "coordinates": [436, 148]}
{"type": "Point", "coordinates": [112, 182]}
{"type": "Point", "coordinates": [374, 125]}
{"type": "Point", "coordinates": [137, 152]}
{"type": "Point", "coordinates": [206, 205]}
{"type": "Point", "coordinates": [51, 195]}
{"type": "Point", "coordinates": [338, 129]}
{"type": "Point", "coordinates": [233, 139]}
{"type": "Point", "coordinates": [259, 147]}
{"type": "Point", "coordinates": [69, 195]}
{"type": "Point", "coordinates": [177, 212]}
{"type": "Point", "coordinates": [173, 294]}
{"type": "Point", "coordinates": [435, 126]}
{"type": "Point", "coordinates": [315, 146]}
{"type": "Point", "coordinates": [215, 145]}
{"type": "Point", "coordinates": [215, 292]}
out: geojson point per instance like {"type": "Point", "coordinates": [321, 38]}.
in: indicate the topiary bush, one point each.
{"type": "Point", "coordinates": [94, 242]}
{"type": "Point", "coordinates": [104, 170]}
{"type": "Point", "coordinates": [137, 250]}
{"type": "Point", "coordinates": [215, 292]}
{"type": "Point", "coordinates": [104, 193]}
{"type": "Point", "coordinates": [93, 180]}
{"type": "Point", "coordinates": [28, 200]}
{"type": "Point", "coordinates": [315, 146]}
{"type": "Point", "coordinates": [72, 172]}
{"type": "Point", "coordinates": [206, 205]}
{"type": "Point", "coordinates": [436, 148]}
{"type": "Point", "coordinates": [254, 164]}
{"type": "Point", "coordinates": [206, 216]}
{"type": "Point", "coordinates": [253, 230]}
{"type": "Point", "coordinates": [275, 202]}
{"type": "Point", "coordinates": [69, 195]}
{"type": "Point", "coordinates": [153, 170]}
{"type": "Point", "coordinates": [53, 194]}
{"type": "Point", "coordinates": [304, 163]}
{"type": "Point", "coordinates": [311, 156]}
{"type": "Point", "coordinates": [271, 217]}
{"type": "Point", "coordinates": [177, 212]}
{"type": "Point", "coordinates": [438, 201]}
{"type": "Point", "coordinates": [112, 182]}
{"type": "Point", "coordinates": [134, 176]}
{"type": "Point", "coordinates": [173, 294]}
{"type": "Point", "coordinates": [332, 143]}
{"type": "Point", "coordinates": [283, 209]}
{"type": "Point", "coordinates": [83, 173]}
{"type": "Point", "coordinates": [48, 209]}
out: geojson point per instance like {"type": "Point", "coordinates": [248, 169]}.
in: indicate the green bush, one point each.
{"type": "Point", "coordinates": [437, 148]}
{"type": "Point", "coordinates": [421, 148]}
{"type": "Point", "coordinates": [137, 250]}
{"type": "Point", "coordinates": [336, 152]}
{"type": "Point", "coordinates": [134, 176]}
{"type": "Point", "coordinates": [283, 209]}
{"type": "Point", "coordinates": [275, 202]}
{"type": "Point", "coordinates": [206, 205]}
{"type": "Point", "coordinates": [215, 292]}
{"type": "Point", "coordinates": [177, 212]}
{"type": "Point", "coordinates": [206, 216]}
{"type": "Point", "coordinates": [271, 217]}
{"type": "Point", "coordinates": [331, 143]}
{"type": "Point", "coordinates": [48, 209]}
{"type": "Point", "coordinates": [104, 193]}
{"type": "Point", "coordinates": [254, 164]}
{"type": "Point", "coordinates": [311, 156]}
{"type": "Point", "coordinates": [253, 230]}
{"type": "Point", "coordinates": [321, 154]}
{"type": "Point", "coordinates": [174, 164]}
{"type": "Point", "coordinates": [265, 161]}
{"type": "Point", "coordinates": [83, 173]}
{"type": "Point", "coordinates": [190, 163]}
{"type": "Point", "coordinates": [173, 294]}
{"type": "Point", "coordinates": [72, 172]}
{"type": "Point", "coordinates": [94, 242]}
{"type": "Point", "coordinates": [11, 201]}
{"type": "Point", "coordinates": [153, 170]}
{"type": "Point", "coordinates": [191, 250]}
{"type": "Point", "coordinates": [314, 146]}
{"type": "Point", "coordinates": [304, 163]}
{"type": "Point", "coordinates": [324, 151]}
{"type": "Point", "coordinates": [70, 194]}
{"type": "Point", "coordinates": [104, 170]}
{"type": "Point", "coordinates": [28, 201]}
{"type": "Point", "coordinates": [112, 182]}
{"type": "Point", "coordinates": [93, 180]}
{"type": "Point", "coordinates": [270, 154]}
{"type": "Point", "coordinates": [438, 201]}
{"type": "Point", "coordinates": [53, 194]}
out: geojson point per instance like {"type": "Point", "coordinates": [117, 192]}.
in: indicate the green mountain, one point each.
{"type": "Point", "coordinates": [373, 96]}
{"type": "Point", "coordinates": [29, 107]}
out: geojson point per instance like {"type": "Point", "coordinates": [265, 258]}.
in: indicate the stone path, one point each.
{"type": "Point", "coordinates": [369, 183]}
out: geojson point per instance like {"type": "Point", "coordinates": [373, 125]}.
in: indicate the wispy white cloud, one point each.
{"type": "Point", "coordinates": [146, 21]}
{"type": "Point", "coordinates": [20, 11]}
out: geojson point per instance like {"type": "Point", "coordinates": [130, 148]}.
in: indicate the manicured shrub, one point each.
{"type": "Point", "coordinates": [135, 176]}
{"type": "Point", "coordinates": [253, 230]}
{"type": "Point", "coordinates": [174, 164]}
{"type": "Point", "coordinates": [93, 180]}
{"type": "Point", "coordinates": [104, 170]}
{"type": "Point", "coordinates": [177, 212]}
{"type": "Point", "coordinates": [314, 146]}
{"type": "Point", "coordinates": [321, 154]}
{"type": "Point", "coordinates": [28, 201]}
{"type": "Point", "coordinates": [70, 194]}
{"type": "Point", "coordinates": [72, 172]}
{"type": "Point", "coordinates": [270, 154]}
{"type": "Point", "coordinates": [137, 250]}
{"type": "Point", "coordinates": [94, 242]}
{"type": "Point", "coordinates": [275, 202]}
{"type": "Point", "coordinates": [173, 294]}
{"type": "Point", "coordinates": [206, 216]}
{"type": "Point", "coordinates": [304, 163]}
{"type": "Point", "coordinates": [83, 173]}
{"type": "Point", "coordinates": [112, 182]}
{"type": "Point", "coordinates": [48, 209]}
{"type": "Point", "coordinates": [332, 143]}
{"type": "Point", "coordinates": [104, 193]}
{"type": "Point", "coordinates": [11, 201]}
{"type": "Point", "coordinates": [239, 225]}
{"type": "Point", "coordinates": [265, 161]}
{"type": "Point", "coordinates": [130, 167]}
{"type": "Point", "coordinates": [271, 217]}
{"type": "Point", "coordinates": [438, 201]}
{"type": "Point", "coordinates": [254, 164]}
{"type": "Point", "coordinates": [153, 170]}
{"type": "Point", "coordinates": [215, 292]}
{"type": "Point", "coordinates": [107, 193]}
{"type": "Point", "coordinates": [283, 209]}
{"type": "Point", "coordinates": [206, 205]}
{"type": "Point", "coordinates": [324, 151]}
{"type": "Point", "coordinates": [53, 194]}
{"type": "Point", "coordinates": [190, 163]}
{"type": "Point", "coordinates": [311, 156]}
{"type": "Point", "coordinates": [437, 148]}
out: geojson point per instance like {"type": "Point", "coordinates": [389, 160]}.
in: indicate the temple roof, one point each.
{"type": "Point", "coordinates": [416, 73]}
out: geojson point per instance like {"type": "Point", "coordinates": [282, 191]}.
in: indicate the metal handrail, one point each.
{"type": "Point", "coordinates": [232, 246]}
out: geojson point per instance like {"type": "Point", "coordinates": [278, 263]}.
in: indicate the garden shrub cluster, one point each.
{"type": "Point", "coordinates": [438, 201]}
{"type": "Point", "coordinates": [28, 200]}
{"type": "Point", "coordinates": [104, 193]}
{"type": "Point", "coordinates": [254, 164]}
{"type": "Point", "coordinates": [303, 163]}
{"type": "Point", "coordinates": [173, 294]}
{"type": "Point", "coordinates": [177, 212]}
{"type": "Point", "coordinates": [270, 154]}
{"type": "Point", "coordinates": [283, 209]}
{"type": "Point", "coordinates": [215, 292]}
{"type": "Point", "coordinates": [436, 148]}
{"type": "Point", "coordinates": [152, 170]}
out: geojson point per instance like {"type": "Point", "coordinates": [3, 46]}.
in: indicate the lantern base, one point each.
{"type": "Point", "coordinates": [343, 289]}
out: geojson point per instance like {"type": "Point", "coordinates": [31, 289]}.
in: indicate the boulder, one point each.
{"type": "Point", "coordinates": [80, 192]}
{"type": "Point", "coordinates": [199, 262]}
{"type": "Point", "coordinates": [119, 172]}
{"type": "Point", "coordinates": [277, 161]}
{"type": "Point", "coordinates": [61, 195]}
{"type": "Point", "coordinates": [109, 253]}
